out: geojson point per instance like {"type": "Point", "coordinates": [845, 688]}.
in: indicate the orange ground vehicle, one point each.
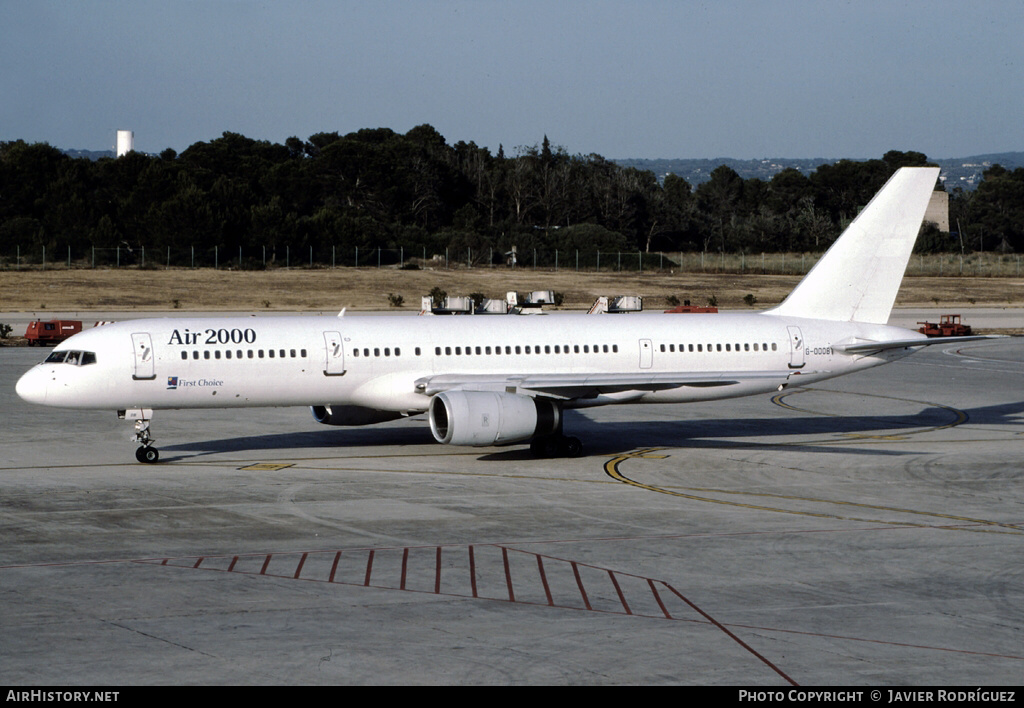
{"type": "Point", "coordinates": [948, 326]}
{"type": "Point", "coordinates": [41, 333]}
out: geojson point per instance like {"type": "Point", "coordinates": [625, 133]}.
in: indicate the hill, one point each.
{"type": "Point", "coordinates": [962, 172]}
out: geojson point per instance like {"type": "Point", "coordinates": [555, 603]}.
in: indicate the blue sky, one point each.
{"type": "Point", "coordinates": [637, 79]}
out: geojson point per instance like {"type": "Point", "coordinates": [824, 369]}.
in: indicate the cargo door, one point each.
{"type": "Point", "coordinates": [646, 353]}
{"type": "Point", "coordinates": [145, 367]}
{"type": "Point", "coordinates": [796, 348]}
{"type": "Point", "coordinates": [334, 364]}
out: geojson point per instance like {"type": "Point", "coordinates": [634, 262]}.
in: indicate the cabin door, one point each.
{"type": "Point", "coordinates": [796, 348]}
{"type": "Point", "coordinates": [646, 353]}
{"type": "Point", "coordinates": [145, 368]}
{"type": "Point", "coordinates": [334, 364]}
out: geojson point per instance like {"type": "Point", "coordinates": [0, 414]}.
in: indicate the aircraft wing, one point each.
{"type": "Point", "coordinates": [871, 347]}
{"type": "Point", "coordinates": [572, 386]}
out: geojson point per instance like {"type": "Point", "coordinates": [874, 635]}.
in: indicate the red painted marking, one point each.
{"type": "Point", "coordinates": [736, 639]}
{"type": "Point", "coordinates": [263, 570]}
{"type": "Point", "coordinates": [508, 575]}
{"type": "Point", "coordinates": [302, 562]}
{"type": "Point", "coordinates": [579, 584]}
{"type": "Point", "coordinates": [369, 568]}
{"type": "Point", "coordinates": [622, 598]}
{"type": "Point", "coordinates": [472, 571]}
{"type": "Point", "coordinates": [234, 560]}
{"type": "Point", "coordinates": [544, 580]}
{"type": "Point", "coordinates": [657, 598]}
{"type": "Point", "coordinates": [405, 567]}
{"type": "Point", "coordinates": [437, 575]}
{"type": "Point", "coordinates": [198, 562]}
{"type": "Point", "coordinates": [334, 567]}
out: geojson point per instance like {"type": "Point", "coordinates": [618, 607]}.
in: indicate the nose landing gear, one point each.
{"type": "Point", "coordinates": [146, 453]}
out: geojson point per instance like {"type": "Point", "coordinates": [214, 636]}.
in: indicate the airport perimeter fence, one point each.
{"type": "Point", "coordinates": [987, 264]}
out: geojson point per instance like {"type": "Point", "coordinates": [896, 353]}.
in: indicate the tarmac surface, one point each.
{"type": "Point", "coordinates": [865, 531]}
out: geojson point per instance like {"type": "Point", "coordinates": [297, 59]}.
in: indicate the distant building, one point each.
{"type": "Point", "coordinates": [125, 142]}
{"type": "Point", "coordinates": [938, 210]}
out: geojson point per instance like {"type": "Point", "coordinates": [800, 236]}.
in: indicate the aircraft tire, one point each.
{"type": "Point", "coordinates": [147, 455]}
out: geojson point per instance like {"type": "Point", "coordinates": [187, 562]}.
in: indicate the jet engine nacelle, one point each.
{"type": "Point", "coordinates": [351, 415]}
{"type": "Point", "coordinates": [481, 418]}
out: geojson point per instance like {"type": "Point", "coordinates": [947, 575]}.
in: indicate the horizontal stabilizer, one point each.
{"type": "Point", "coordinates": [870, 347]}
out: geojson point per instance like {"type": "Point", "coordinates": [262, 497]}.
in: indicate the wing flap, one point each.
{"type": "Point", "coordinates": [571, 386]}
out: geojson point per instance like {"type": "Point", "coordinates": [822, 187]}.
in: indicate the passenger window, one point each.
{"type": "Point", "coordinates": [184, 355]}
{"type": "Point", "coordinates": [216, 354]}
{"type": "Point", "coordinates": [195, 355]}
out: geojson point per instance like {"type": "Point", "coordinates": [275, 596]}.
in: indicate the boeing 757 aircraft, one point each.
{"type": "Point", "coordinates": [500, 380]}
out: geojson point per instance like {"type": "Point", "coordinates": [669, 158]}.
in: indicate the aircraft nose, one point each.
{"type": "Point", "coordinates": [31, 386]}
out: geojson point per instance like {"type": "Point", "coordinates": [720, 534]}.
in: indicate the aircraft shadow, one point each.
{"type": "Point", "coordinates": [611, 437]}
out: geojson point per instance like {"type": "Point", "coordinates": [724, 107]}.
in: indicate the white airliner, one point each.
{"type": "Point", "coordinates": [505, 379]}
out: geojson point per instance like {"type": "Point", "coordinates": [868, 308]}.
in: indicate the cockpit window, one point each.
{"type": "Point", "coordinates": [75, 358]}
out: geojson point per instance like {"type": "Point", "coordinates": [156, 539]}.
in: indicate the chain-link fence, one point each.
{"type": "Point", "coordinates": [38, 257]}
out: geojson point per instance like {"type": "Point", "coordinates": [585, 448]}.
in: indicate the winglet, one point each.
{"type": "Point", "coordinates": [858, 277]}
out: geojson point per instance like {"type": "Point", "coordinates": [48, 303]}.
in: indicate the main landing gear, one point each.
{"type": "Point", "coordinates": [556, 446]}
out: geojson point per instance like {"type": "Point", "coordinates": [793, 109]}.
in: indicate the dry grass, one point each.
{"type": "Point", "coordinates": [368, 288]}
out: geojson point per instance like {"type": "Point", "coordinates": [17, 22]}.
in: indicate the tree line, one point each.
{"type": "Point", "coordinates": [378, 189]}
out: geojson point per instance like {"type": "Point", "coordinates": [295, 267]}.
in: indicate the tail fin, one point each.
{"type": "Point", "coordinates": [858, 277]}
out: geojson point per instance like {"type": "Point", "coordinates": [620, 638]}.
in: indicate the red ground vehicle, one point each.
{"type": "Point", "coordinates": [41, 333]}
{"type": "Point", "coordinates": [948, 326]}
{"type": "Point", "coordinates": [687, 307]}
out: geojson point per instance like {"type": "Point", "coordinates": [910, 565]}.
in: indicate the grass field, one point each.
{"type": "Point", "coordinates": [329, 289]}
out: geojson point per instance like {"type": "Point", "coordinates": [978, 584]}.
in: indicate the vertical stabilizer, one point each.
{"type": "Point", "coordinates": [858, 277]}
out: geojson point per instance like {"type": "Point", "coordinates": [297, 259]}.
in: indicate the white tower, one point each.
{"type": "Point", "coordinates": [125, 142]}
